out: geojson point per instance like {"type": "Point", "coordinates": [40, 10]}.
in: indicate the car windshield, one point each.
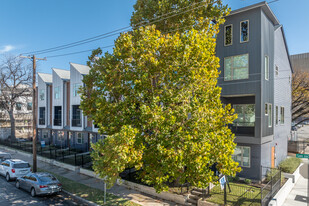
{"type": "Point", "coordinates": [21, 165]}
{"type": "Point", "coordinates": [48, 178]}
{"type": "Point", "coordinates": [5, 156]}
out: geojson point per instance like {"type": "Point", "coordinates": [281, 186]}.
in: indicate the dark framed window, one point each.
{"type": "Point", "coordinates": [228, 35]}
{"type": "Point", "coordinates": [42, 116]}
{"type": "Point", "coordinates": [57, 115]}
{"type": "Point", "coordinates": [18, 106]}
{"type": "Point", "coordinates": [242, 155]}
{"type": "Point", "coordinates": [236, 67]}
{"type": "Point", "coordinates": [76, 116]}
{"type": "Point", "coordinates": [29, 106]}
{"type": "Point", "coordinates": [244, 31]}
{"type": "Point", "coordinates": [246, 115]}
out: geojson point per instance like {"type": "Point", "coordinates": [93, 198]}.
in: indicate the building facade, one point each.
{"type": "Point", "coordinates": [256, 80]}
{"type": "Point", "coordinates": [61, 122]}
{"type": "Point", "coordinates": [22, 114]}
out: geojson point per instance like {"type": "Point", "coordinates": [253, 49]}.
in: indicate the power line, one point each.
{"type": "Point", "coordinates": [112, 33]}
{"type": "Point", "coordinates": [60, 55]}
{"type": "Point", "coordinates": [66, 54]}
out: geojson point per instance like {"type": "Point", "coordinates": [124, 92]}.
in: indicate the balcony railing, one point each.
{"type": "Point", "coordinates": [57, 122]}
{"type": "Point", "coordinates": [243, 128]}
{"type": "Point", "coordinates": [41, 121]}
{"type": "Point", "coordinates": [76, 123]}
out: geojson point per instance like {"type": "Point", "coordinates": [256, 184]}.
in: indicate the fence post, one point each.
{"type": "Point", "coordinates": [55, 153]}
{"type": "Point", "coordinates": [262, 196]}
{"type": "Point", "coordinates": [225, 201]}
{"type": "Point", "coordinates": [82, 160]}
{"type": "Point", "coordinates": [49, 153]}
{"type": "Point", "coordinates": [271, 183]}
{"type": "Point", "coordinates": [75, 158]}
{"type": "Point", "coordinates": [62, 156]}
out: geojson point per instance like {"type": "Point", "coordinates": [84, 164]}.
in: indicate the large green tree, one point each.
{"type": "Point", "coordinates": [157, 100]}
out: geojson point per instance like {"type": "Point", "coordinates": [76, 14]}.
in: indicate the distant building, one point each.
{"type": "Point", "coordinates": [60, 120]}
{"type": "Point", "coordinates": [22, 114]}
{"type": "Point", "coordinates": [300, 62]}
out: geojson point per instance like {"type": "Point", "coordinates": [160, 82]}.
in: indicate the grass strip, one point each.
{"type": "Point", "coordinates": [89, 193]}
{"type": "Point", "coordinates": [240, 195]}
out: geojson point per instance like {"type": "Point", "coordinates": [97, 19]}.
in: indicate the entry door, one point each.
{"type": "Point", "coordinates": [273, 157]}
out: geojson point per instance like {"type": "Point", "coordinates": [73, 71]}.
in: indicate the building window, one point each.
{"type": "Point", "coordinates": [277, 115]}
{"type": "Point", "coordinates": [228, 35]}
{"type": "Point", "coordinates": [246, 115]}
{"type": "Point", "coordinates": [80, 139]}
{"type": "Point", "coordinates": [42, 94]}
{"type": "Point", "coordinates": [244, 31]}
{"type": "Point", "coordinates": [282, 115]}
{"type": "Point", "coordinates": [277, 70]}
{"type": "Point", "coordinates": [57, 116]}
{"type": "Point", "coordinates": [236, 67]}
{"type": "Point", "coordinates": [76, 116]}
{"type": "Point", "coordinates": [266, 109]}
{"type": "Point", "coordinates": [270, 115]}
{"type": "Point", "coordinates": [57, 92]}
{"type": "Point", "coordinates": [242, 156]}
{"type": "Point", "coordinates": [42, 116]}
{"type": "Point", "coordinates": [266, 67]}
{"type": "Point", "coordinates": [18, 106]}
{"type": "Point", "coordinates": [29, 106]}
{"type": "Point", "coordinates": [75, 89]}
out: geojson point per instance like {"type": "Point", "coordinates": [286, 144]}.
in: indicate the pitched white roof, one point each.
{"type": "Point", "coordinates": [83, 69]}
{"type": "Point", "coordinates": [47, 78]}
{"type": "Point", "coordinates": [63, 74]}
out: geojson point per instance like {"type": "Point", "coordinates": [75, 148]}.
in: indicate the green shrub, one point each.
{"type": "Point", "coordinates": [230, 178]}
{"type": "Point", "coordinates": [289, 165]}
{"type": "Point", "coordinates": [248, 181]}
{"type": "Point", "coordinates": [236, 179]}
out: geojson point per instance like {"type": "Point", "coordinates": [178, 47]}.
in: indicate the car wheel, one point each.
{"type": "Point", "coordinates": [17, 184]}
{"type": "Point", "coordinates": [32, 192]}
{"type": "Point", "coordinates": [7, 177]}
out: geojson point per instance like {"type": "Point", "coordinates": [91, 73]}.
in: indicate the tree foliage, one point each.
{"type": "Point", "coordinates": [157, 100]}
{"type": "Point", "coordinates": [300, 96]}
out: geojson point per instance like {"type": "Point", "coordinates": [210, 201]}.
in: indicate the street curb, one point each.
{"type": "Point", "coordinates": [80, 199]}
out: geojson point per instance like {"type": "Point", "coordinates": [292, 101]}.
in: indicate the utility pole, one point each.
{"type": "Point", "coordinates": [34, 108]}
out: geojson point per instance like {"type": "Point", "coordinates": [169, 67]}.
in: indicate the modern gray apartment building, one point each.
{"type": "Point", "coordinates": [256, 80]}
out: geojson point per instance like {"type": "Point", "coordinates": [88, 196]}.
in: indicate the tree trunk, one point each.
{"type": "Point", "coordinates": [12, 119]}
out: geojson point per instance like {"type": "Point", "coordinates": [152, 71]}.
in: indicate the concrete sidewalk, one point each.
{"type": "Point", "coordinates": [299, 196]}
{"type": "Point", "coordinates": [121, 191]}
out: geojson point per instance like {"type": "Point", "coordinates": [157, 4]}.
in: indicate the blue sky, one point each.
{"type": "Point", "coordinates": [35, 25]}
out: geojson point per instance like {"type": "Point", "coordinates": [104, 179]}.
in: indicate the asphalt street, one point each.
{"type": "Point", "coordinates": [10, 195]}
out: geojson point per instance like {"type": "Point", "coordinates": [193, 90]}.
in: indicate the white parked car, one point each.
{"type": "Point", "coordinates": [4, 156]}
{"type": "Point", "coordinates": [14, 168]}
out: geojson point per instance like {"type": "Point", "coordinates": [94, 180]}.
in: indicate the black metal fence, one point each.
{"type": "Point", "coordinates": [238, 194]}
{"type": "Point", "coordinates": [241, 194]}
{"type": "Point", "coordinates": [273, 185]}
{"type": "Point", "coordinates": [67, 155]}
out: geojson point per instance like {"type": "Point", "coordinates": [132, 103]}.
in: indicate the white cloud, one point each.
{"type": "Point", "coordinates": [6, 48]}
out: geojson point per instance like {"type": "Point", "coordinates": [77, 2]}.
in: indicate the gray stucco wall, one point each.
{"type": "Point", "coordinates": [246, 87]}
{"type": "Point", "coordinates": [282, 94]}
{"type": "Point", "coordinates": [267, 44]}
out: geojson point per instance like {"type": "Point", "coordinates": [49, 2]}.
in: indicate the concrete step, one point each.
{"type": "Point", "coordinates": [196, 192]}
{"type": "Point", "coordinates": [192, 201]}
{"type": "Point", "coordinates": [194, 197]}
